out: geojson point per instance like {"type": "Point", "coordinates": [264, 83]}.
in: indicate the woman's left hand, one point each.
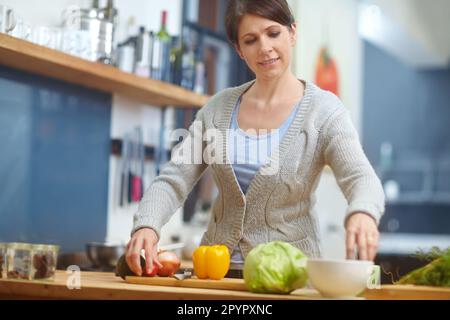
{"type": "Point", "coordinates": [362, 232]}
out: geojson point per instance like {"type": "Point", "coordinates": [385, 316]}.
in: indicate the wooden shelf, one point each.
{"type": "Point", "coordinates": [26, 56]}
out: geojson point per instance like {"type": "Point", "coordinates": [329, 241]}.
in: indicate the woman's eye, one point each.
{"type": "Point", "coordinates": [253, 40]}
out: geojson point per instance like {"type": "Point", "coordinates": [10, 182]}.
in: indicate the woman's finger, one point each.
{"type": "Point", "coordinates": [350, 244]}
{"type": "Point", "coordinates": [362, 245]}
{"type": "Point", "coordinates": [128, 252]}
{"type": "Point", "coordinates": [134, 256]}
{"type": "Point", "coordinates": [155, 257]}
{"type": "Point", "coordinates": [148, 247]}
{"type": "Point", "coordinates": [372, 246]}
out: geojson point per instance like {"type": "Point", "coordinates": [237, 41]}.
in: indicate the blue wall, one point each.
{"type": "Point", "coordinates": [408, 107]}
{"type": "Point", "coordinates": [411, 109]}
{"type": "Point", "coordinates": [54, 158]}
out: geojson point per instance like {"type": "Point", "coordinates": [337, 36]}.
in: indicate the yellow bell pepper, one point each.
{"type": "Point", "coordinates": [199, 260]}
{"type": "Point", "coordinates": [211, 262]}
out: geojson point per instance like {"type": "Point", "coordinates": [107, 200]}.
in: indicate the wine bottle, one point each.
{"type": "Point", "coordinates": [188, 67]}
{"type": "Point", "coordinates": [161, 57]}
{"type": "Point", "coordinates": [151, 53]}
{"type": "Point", "coordinates": [176, 58]}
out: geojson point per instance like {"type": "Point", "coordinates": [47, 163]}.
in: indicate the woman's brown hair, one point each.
{"type": "Point", "coordinates": [275, 10]}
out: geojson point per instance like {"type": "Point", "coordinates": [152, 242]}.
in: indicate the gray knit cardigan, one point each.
{"type": "Point", "coordinates": [278, 204]}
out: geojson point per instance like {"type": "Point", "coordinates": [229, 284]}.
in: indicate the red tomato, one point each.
{"type": "Point", "coordinates": [170, 263]}
{"type": "Point", "coordinates": [152, 273]}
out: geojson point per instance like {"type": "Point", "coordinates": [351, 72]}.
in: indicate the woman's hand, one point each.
{"type": "Point", "coordinates": [362, 231]}
{"type": "Point", "coordinates": [145, 239]}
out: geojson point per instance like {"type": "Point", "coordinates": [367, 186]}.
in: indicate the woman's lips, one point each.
{"type": "Point", "coordinates": [269, 62]}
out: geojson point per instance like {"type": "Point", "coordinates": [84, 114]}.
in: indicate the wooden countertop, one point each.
{"type": "Point", "coordinates": [106, 286]}
{"type": "Point", "coordinates": [29, 57]}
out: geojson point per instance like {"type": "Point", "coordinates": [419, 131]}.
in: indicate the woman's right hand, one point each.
{"type": "Point", "coordinates": [146, 239]}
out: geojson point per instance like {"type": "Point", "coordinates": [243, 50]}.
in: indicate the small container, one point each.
{"type": "Point", "coordinates": [44, 259]}
{"type": "Point", "coordinates": [2, 260]}
{"type": "Point", "coordinates": [18, 261]}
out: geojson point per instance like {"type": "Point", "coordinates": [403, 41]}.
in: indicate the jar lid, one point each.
{"type": "Point", "coordinates": [39, 247]}
{"type": "Point", "coordinates": [18, 246]}
{"type": "Point", "coordinates": [45, 247]}
{"type": "Point", "coordinates": [52, 247]}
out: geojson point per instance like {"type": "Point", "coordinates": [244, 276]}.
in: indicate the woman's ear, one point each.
{"type": "Point", "coordinates": [293, 33]}
{"type": "Point", "coordinates": [238, 50]}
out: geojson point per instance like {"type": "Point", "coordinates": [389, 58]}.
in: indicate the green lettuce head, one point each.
{"type": "Point", "coordinates": [275, 267]}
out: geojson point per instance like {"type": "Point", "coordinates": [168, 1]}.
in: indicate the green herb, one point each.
{"type": "Point", "coordinates": [436, 273]}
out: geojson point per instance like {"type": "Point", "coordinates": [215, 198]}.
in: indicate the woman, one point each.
{"type": "Point", "coordinates": [255, 204]}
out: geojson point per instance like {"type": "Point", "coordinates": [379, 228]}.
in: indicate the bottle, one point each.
{"type": "Point", "coordinates": [163, 35]}
{"type": "Point", "coordinates": [142, 54]}
{"type": "Point", "coordinates": [126, 55]}
{"type": "Point", "coordinates": [161, 57]}
{"type": "Point", "coordinates": [200, 75]}
{"type": "Point", "coordinates": [151, 53]}
{"type": "Point", "coordinates": [176, 55]}
{"type": "Point", "coordinates": [188, 67]}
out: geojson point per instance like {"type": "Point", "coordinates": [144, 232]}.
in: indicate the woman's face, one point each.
{"type": "Point", "coordinates": [265, 45]}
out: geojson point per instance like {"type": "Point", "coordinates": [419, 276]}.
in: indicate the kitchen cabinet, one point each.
{"type": "Point", "coordinates": [203, 29]}
{"type": "Point", "coordinates": [405, 134]}
{"type": "Point", "coordinates": [54, 161]}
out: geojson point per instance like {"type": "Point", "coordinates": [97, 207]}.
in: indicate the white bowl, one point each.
{"type": "Point", "coordinates": [339, 278]}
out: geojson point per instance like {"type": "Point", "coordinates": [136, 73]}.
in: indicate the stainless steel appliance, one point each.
{"type": "Point", "coordinates": [101, 29]}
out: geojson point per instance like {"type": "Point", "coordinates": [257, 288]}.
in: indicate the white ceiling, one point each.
{"type": "Point", "coordinates": [422, 28]}
{"type": "Point", "coordinates": [435, 18]}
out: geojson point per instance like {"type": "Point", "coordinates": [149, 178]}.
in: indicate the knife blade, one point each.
{"type": "Point", "coordinates": [186, 274]}
{"type": "Point", "coordinates": [124, 173]}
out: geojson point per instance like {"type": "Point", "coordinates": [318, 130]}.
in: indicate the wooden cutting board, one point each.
{"type": "Point", "coordinates": [224, 284]}
{"type": "Point", "coordinates": [408, 292]}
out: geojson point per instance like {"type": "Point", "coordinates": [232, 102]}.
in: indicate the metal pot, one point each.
{"type": "Point", "coordinates": [104, 255]}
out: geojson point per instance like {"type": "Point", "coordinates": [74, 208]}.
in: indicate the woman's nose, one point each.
{"type": "Point", "coordinates": [265, 47]}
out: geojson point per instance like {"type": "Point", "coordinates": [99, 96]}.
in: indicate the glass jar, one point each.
{"type": "Point", "coordinates": [44, 258]}
{"type": "Point", "coordinates": [18, 261]}
{"type": "Point", "coordinates": [2, 260]}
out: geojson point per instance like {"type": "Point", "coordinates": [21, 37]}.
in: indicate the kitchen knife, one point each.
{"type": "Point", "coordinates": [123, 174]}
{"type": "Point", "coordinates": [131, 168]}
{"type": "Point", "coordinates": [137, 180]}
{"type": "Point", "coordinates": [184, 274]}
{"type": "Point", "coordinates": [142, 173]}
